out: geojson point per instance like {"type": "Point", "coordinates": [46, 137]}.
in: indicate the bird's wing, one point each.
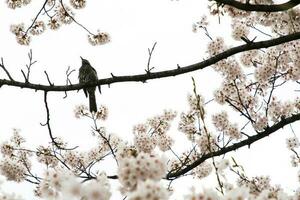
{"type": "Point", "coordinates": [94, 70]}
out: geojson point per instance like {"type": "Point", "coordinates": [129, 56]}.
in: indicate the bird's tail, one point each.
{"type": "Point", "coordinates": [92, 100]}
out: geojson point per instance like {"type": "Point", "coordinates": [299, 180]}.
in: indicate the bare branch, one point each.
{"type": "Point", "coordinates": [68, 81]}
{"type": "Point", "coordinates": [6, 71]}
{"type": "Point", "coordinates": [53, 139]}
{"type": "Point", "coordinates": [48, 121]}
{"type": "Point", "coordinates": [148, 70]}
{"type": "Point", "coordinates": [68, 73]}
{"type": "Point", "coordinates": [160, 74]}
{"type": "Point", "coordinates": [50, 83]}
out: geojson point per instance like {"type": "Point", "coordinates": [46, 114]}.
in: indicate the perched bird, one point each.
{"type": "Point", "coordinates": [87, 74]}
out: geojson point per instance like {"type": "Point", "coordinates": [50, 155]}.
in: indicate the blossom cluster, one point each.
{"type": "Point", "coordinates": [239, 29]}
{"type": "Point", "coordinates": [202, 23]}
{"type": "Point", "coordinates": [153, 133]}
{"type": "Point", "coordinates": [216, 46]}
{"type": "Point", "coordinates": [239, 193]}
{"type": "Point", "coordinates": [78, 4]}
{"type": "Point", "coordinates": [62, 14]}
{"type": "Point", "coordinates": [188, 121]}
{"type": "Point", "coordinates": [99, 38]}
{"type": "Point", "coordinates": [13, 169]}
{"type": "Point", "coordinates": [203, 170]}
{"type": "Point", "coordinates": [15, 163]}
{"type": "Point", "coordinates": [13, 4]}
{"type": "Point", "coordinates": [56, 15]}
{"type": "Point", "coordinates": [222, 123]}
{"type": "Point", "coordinates": [256, 188]}
{"type": "Point", "coordinates": [279, 109]}
{"type": "Point", "coordinates": [149, 190]}
{"type": "Point", "coordinates": [61, 184]}
{"type": "Point", "coordinates": [45, 155]}
{"type": "Point", "coordinates": [83, 111]}
{"type": "Point", "coordinates": [135, 170]}
{"type": "Point", "coordinates": [292, 143]}
{"type": "Point", "coordinates": [64, 167]}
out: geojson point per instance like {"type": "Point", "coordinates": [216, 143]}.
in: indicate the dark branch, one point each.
{"type": "Point", "coordinates": [53, 139]}
{"type": "Point", "coordinates": [7, 73]}
{"type": "Point", "coordinates": [161, 74]}
{"type": "Point", "coordinates": [150, 52]}
{"type": "Point", "coordinates": [73, 19]}
{"type": "Point", "coordinates": [247, 142]}
{"type": "Point", "coordinates": [259, 7]}
{"type": "Point", "coordinates": [36, 17]}
{"type": "Point", "coordinates": [48, 79]}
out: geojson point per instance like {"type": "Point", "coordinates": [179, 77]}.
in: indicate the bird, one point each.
{"type": "Point", "coordinates": [87, 74]}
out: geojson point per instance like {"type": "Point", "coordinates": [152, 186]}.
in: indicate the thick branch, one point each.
{"type": "Point", "coordinates": [246, 142]}
{"type": "Point", "coordinates": [161, 74]}
{"type": "Point", "coordinates": [258, 7]}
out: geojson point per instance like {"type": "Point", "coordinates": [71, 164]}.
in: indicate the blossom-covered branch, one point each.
{"type": "Point", "coordinates": [247, 142]}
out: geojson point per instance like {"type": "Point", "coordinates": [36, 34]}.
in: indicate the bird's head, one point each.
{"type": "Point", "coordinates": [84, 61]}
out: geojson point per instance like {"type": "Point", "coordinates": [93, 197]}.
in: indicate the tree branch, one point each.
{"type": "Point", "coordinates": [53, 139]}
{"type": "Point", "coordinates": [247, 142]}
{"type": "Point", "coordinates": [259, 8]}
{"type": "Point", "coordinates": [160, 74]}
{"type": "Point", "coordinates": [6, 71]}
{"type": "Point", "coordinates": [36, 17]}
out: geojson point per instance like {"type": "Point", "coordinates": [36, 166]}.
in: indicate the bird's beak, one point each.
{"type": "Point", "coordinates": [81, 58]}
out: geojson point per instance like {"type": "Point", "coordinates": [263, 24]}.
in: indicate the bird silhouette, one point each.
{"type": "Point", "coordinates": [87, 74]}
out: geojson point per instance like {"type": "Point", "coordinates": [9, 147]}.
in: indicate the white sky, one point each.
{"type": "Point", "coordinates": [134, 26]}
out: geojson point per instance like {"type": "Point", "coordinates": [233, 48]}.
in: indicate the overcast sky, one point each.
{"type": "Point", "coordinates": [134, 25]}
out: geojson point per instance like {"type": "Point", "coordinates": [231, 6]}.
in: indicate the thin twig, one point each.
{"type": "Point", "coordinates": [36, 17]}
{"type": "Point", "coordinates": [150, 52]}
{"type": "Point", "coordinates": [74, 20]}
{"type": "Point", "coordinates": [50, 83]}
{"type": "Point", "coordinates": [6, 71]}
{"type": "Point", "coordinates": [53, 139]}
